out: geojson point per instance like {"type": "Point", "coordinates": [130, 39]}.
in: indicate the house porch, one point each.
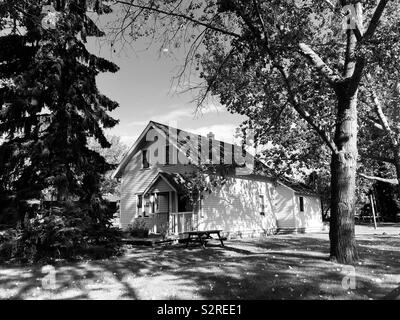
{"type": "Point", "coordinates": [165, 208]}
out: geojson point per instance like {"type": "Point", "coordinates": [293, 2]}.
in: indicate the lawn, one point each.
{"type": "Point", "coordinates": [276, 267]}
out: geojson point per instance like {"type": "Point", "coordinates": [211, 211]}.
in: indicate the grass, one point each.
{"type": "Point", "coordinates": [276, 267]}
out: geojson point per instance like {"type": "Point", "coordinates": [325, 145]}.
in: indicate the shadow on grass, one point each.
{"type": "Point", "coordinates": [393, 295]}
{"type": "Point", "coordinates": [281, 267]}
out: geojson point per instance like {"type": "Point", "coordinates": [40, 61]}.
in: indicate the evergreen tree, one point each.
{"type": "Point", "coordinates": [50, 104]}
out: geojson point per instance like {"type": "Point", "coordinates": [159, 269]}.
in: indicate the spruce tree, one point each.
{"type": "Point", "coordinates": [50, 105]}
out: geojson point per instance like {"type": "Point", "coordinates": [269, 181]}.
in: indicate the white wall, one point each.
{"type": "Point", "coordinates": [284, 204]}
{"type": "Point", "coordinates": [311, 218]}
{"type": "Point", "coordinates": [235, 207]}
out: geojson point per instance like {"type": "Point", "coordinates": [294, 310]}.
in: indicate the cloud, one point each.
{"type": "Point", "coordinates": [212, 108]}
{"type": "Point", "coordinates": [185, 117]}
{"type": "Point", "coordinates": [171, 116]}
{"type": "Point", "coordinates": [179, 115]}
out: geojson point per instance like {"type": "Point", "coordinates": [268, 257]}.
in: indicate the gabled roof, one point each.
{"type": "Point", "coordinates": [164, 131]}
{"type": "Point", "coordinates": [131, 152]}
{"type": "Point", "coordinates": [176, 180]}
{"type": "Point", "coordinates": [172, 182]}
{"type": "Point", "coordinates": [190, 145]}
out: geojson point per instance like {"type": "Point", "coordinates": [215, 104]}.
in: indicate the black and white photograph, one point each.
{"type": "Point", "coordinates": [211, 152]}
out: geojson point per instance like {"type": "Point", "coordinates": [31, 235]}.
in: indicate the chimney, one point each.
{"type": "Point", "coordinates": [211, 136]}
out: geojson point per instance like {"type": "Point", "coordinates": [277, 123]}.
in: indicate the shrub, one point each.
{"type": "Point", "coordinates": [163, 230]}
{"type": "Point", "coordinates": [66, 231]}
{"type": "Point", "coordinates": [139, 228]}
{"type": "Point", "coordinates": [8, 243]}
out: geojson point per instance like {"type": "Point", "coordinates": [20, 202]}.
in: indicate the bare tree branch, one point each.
{"type": "Point", "coordinates": [377, 158]}
{"type": "Point", "coordinates": [319, 64]}
{"type": "Point", "coordinates": [304, 114]}
{"type": "Point", "coordinates": [391, 181]}
{"type": "Point", "coordinates": [373, 123]}
{"type": "Point", "coordinates": [375, 19]}
{"type": "Point", "coordinates": [180, 15]}
{"type": "Point", "coordinates": [382, 117]}
{"type": "Point", "coordinates": [211, 83]}
{"type": "Point", "coordinates": [261, 19]}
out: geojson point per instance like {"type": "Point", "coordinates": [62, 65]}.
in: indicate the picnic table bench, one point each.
{"type": "Point", "coordinates": [202, 237]}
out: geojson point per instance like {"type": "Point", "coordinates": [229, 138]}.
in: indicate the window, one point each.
{"type": "Point", "coordinates": [210, 151]}
{"type": "Point", "coordinates": [301, 199]}
{"type": "Point", "coordinates": [262, 205]}
{"type": "Point", "coordinates": [167, 154]}
{"type": "Point", "coordinates": [139, 205]}
{"type": "Point", "coordinates": [139, 202]}
{"type": "Point", "coordinates": [146, 200]}
{"type": "Point", "coordinates": [145, 162]}
{"type": "Point", "coordinates": [154, 203]}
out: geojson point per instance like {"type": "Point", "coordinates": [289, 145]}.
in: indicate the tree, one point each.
{"type": "Point", "coordinates": [113, 155]}
{"type": "Point", "coordinates": [290, 151]}
{"type": "Point", "coordinates": [261, 58]}
{"type": "Point", "coordinates": [380, 125]}
{"type": "Point", "coordinates": [203, 181]}
{"type": "Point", "coordinates": [50, 104]}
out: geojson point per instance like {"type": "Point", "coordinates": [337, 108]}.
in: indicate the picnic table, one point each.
{"type": "Point", "coordinates": [203, 236]}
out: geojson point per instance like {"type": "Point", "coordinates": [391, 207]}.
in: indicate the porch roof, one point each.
{"type": "Point", "coordinates": [174, 180]}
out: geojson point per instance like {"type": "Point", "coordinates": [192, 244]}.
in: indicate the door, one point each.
{"type": "Point", "coordinates": [163, 203]}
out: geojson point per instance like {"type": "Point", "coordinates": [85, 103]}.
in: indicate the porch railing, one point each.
{"type": "Point", "coordinates": [157, 222]}
{"type": "Point", "coordinates": [181, 222]}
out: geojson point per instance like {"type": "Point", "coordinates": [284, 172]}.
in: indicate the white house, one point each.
{"type": "Point", "coordinates": [153, 174]}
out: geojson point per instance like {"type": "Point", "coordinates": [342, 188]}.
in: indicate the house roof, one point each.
{"type": "Point", "coordinates": [217, 148]}
{"type": "Point", "coordinates": [175, 180]}
{"type": "Point", "coordinates": [298, 187]}
{"type": "Point", "coordinates": [128, 155]}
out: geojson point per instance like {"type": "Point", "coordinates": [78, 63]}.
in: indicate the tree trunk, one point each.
{"type": "Point", "coordinates": [396, 153]}
{"type": "Point", "coordinates": [343, 181]}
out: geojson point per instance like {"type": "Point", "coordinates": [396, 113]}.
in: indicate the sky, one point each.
{"type": "Point", "coordinates": [145, 90]}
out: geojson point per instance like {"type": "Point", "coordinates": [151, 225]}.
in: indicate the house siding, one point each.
{"type": "Point", "coordinates": [163, 202]}
{"type": "Point", "coordinates": [135, 180]}
{"type": "Point", "coordinates": [160, 186]}
{"type": "Point", "coordinates": [311, 219]}
{"type": "Point", "coordinates": [235, 208]}
{"type": "Point", "coordinates": [284, 205]}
